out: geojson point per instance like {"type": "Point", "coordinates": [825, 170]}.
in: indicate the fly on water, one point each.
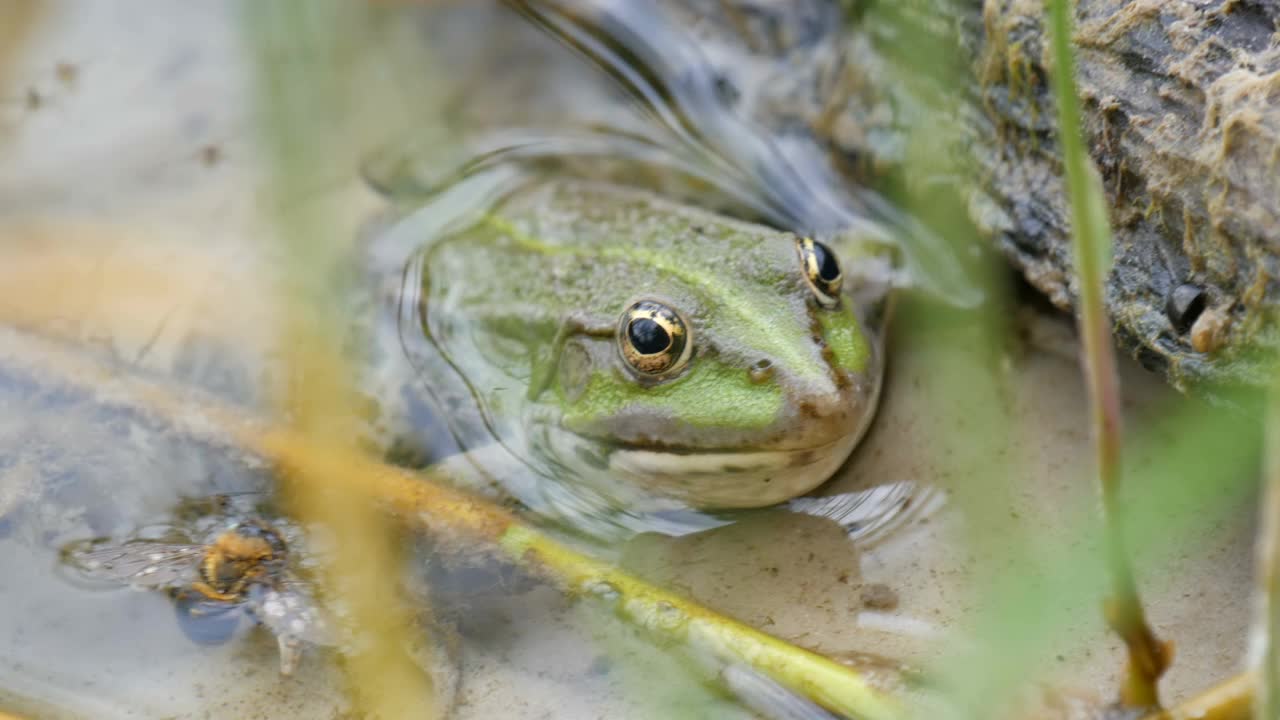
{"type": "Point", "coordinates": [243, 566]}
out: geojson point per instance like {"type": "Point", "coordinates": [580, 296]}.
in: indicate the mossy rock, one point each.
{"type": "Point", "coordinates": [1182, 114]}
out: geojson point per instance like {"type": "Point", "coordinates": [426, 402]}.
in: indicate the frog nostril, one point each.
{"type": "Point", "coordinates": [844, 379]}
{"type": "Point", "coordinates": [762, 370]}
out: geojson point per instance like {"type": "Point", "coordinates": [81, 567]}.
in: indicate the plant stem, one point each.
{"type": "Point", "coordinates": [1091, 242]}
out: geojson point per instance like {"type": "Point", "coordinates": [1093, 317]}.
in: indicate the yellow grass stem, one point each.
{"type": "Point", "coordinates": [672, 617]}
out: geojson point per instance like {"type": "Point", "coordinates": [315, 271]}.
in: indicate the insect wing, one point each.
{"type": "Point", "coordinates": [292, 616]}
{"type": "Point", "coordinates": [138, 563]}
{"type": "Point", "coordinates": [288, 611]}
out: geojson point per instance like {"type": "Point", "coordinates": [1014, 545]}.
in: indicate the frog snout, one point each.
{"type": "Point", "coordinates": [836, 408]}
{"type": "Point", "coordinates": [824, 406]}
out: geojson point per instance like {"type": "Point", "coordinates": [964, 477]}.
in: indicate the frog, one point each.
{"type": "Point", "coordinates": [597, 347]}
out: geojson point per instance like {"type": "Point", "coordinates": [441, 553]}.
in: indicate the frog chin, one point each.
{"type": "Point", "coordinates": [731, 478]}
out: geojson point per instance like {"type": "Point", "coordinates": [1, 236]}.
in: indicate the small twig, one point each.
{"type": "Point", "coordinates": [1091, 239]}
{"type": "Point", "coordinates": [427, 502]}
{"type": "Point", "coordinates": [1229, 700]}
{"type": "Point", "coordinates": [20, 19]}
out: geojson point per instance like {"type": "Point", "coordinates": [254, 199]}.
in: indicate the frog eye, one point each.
{"type": "Point", "coordinates": [821, 270]}
{"type": "Point", "coordinates": [653, 338]}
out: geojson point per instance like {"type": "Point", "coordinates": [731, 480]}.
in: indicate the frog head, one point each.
{"type": "Point", "coordinates": [734, 372]}
{"type": "Point", "coordinates": [611, 335]}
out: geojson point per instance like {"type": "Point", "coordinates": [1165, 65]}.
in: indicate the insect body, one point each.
{"type": "Point", "coordinates": [243, 566]}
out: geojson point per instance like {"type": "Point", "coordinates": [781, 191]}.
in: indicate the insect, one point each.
{"type": "Point", "coordinates": [243, 566]}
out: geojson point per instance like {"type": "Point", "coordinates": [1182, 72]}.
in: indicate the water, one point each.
{"type": "Point", "coordinates": [133, 194]}
{"type": "Point", "coordinates": [74, 468]}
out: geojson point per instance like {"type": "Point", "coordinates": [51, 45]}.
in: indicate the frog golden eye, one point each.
{"type": "Point", "coordinates": [821, 270]}
{"type": "Point", "coordinates": [653, 338]}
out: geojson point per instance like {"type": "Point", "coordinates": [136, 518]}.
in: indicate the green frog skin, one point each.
{"type": "Point", "coordinates": [610, 339]}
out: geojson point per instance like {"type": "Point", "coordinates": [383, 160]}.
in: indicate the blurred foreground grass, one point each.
{"type": "Point", "coordinates": [307, 100]}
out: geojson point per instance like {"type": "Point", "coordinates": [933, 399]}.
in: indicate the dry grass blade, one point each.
{"type": "Point", "coordinates": [1229, 700]}
{"type": "Point", "coordinates": [20, 17]}
{"type": "Point", "coordinates": [426, 502]}
{"type": "Point", "coordinates": [1091, 241]}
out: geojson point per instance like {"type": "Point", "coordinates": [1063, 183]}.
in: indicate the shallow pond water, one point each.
{"type": "Point", "coordinates": [141, 164]}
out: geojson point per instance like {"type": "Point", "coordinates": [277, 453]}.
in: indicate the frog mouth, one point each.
{"type": "Point", "coordinates": [731, 478]}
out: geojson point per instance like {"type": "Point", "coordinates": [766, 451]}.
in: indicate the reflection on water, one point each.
{"type": "Point", "coordinates": [870, 516]}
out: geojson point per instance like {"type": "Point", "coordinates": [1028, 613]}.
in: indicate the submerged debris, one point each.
{"type": "Point", "coordinates": [244, 565]}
